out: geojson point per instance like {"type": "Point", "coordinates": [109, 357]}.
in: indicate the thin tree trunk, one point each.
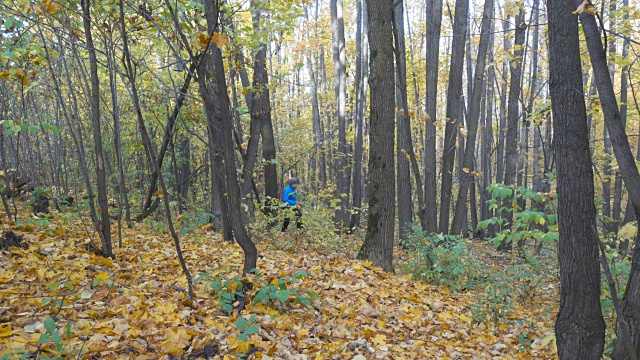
{"type": "Point", "coordinates": [342, 217]}
{"type": "Point", "coordinates": [150, 150]}
{"type": "Point", "coordinates": [403, 128]}
{"type": "Point", "coordinates": [454, 115]}
{"type": "Point", "coordinates": [628, 338]}
{"type": "Point", "coordinates": [503, 107]}
{"type": "Point", "coordinates": [513, 114]}
{"type": "Point", "coordinates": [468, 175]}
{"type": "Point", "coordinates": [487, 135]}
{"type": "Point", "coordinates": [434, 23]}
{"type": "Point", "coordinates": [362, 76]}
{"type": "Point", "coordinates": [104, 228]}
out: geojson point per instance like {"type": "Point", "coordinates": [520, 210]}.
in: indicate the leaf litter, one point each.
{"type": "Point", "coordinates": [135, 307]}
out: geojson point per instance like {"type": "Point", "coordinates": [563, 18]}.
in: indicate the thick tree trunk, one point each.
{"type": "Point", "coordinates": [434, 23]}
{"type": "Point", "coordinates": [104, 226]}
{"type": "Point", "coordinates": [379, 241]}
{"type": "Point", "coordinates": [454, 105]}
{"type": "Point", "coordinates": [580, 326]}
{"type": "Point", "coordinates": [468, 176]}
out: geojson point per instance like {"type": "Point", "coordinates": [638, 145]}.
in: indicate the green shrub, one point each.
{"type": "Point", "coordinates": [435, 258]}
{"type": "Point", "coordinates": [539, 222]}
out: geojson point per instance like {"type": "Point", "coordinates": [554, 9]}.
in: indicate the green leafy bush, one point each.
{"type": "Point", "coordinates": [440, 259]}
{"type": "Point", "coordinates": [539, 222]}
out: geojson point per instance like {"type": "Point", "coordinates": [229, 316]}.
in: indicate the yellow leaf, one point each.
{"type": "Point", "coordinates": [546, 341]}
{"type": "Point", "coordinates": [220, 39]}
{"type": "Point", "coordinates": [5, 331]}
{"type": "Point", "coordinates": [445, 316]}
{"type": "Point", "coordinates": [586, 7]}
{"type": "Point", "coordinates": [628, 231]}
{"type": "Point", "coordinates": [379, 339]}
{"type": "Point", "coordinates": [512, 7]}
{"type": "Point", "coordinates": [51, 6]}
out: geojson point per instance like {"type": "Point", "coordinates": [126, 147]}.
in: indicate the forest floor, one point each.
{"type": "Point", "coordinates": [134, 306]}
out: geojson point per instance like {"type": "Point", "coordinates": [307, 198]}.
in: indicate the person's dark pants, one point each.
{"type": "Point", "coordinates": [287, 220]}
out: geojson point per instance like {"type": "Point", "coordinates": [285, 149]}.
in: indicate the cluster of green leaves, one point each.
{"type": "Point", "coordinates": [246, 327]}
{"type": "Point", "coordinates": [17, 127]}
{"type": "Point", "coordinates": [280, 290]}
{"type": "Point", "coordinates": [437, 258]}
{"type": "Point", "coordinates": [539, 222]}
{"type": "Point", "coordinates": [51, 335]}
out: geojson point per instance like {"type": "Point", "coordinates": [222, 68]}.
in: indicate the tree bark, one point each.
{"type": "Point", "coordinates": [378, 243]}
{"type": "Point", "coordinates": [513, 114]}
{"type": "Point", "coordinates": [434, 23]}
{"type": "Point", "coordinates": [342, 217]}
{"type": "Point", "coordinates": [579, 327]}
{"type": "Point", "coordinates": [631, 303]}
{"type": "Point", "coordinates": [215, 90]}
{"type": "Point", "coordinates": [503, 106]}
{"type": "Point", "coordinates": [454, 115]}
{"type": "Point", "coordinates": [104, 225]}
{"type": "Point", "coordinates": [403, 128]}
{"type": "Point", "coordinates": [362, 77]}
{"type": "Point", "coordinates": [468, 176]}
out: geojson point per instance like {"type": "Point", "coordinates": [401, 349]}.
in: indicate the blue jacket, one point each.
{"type": "Point", "coordinates": [290, 196]}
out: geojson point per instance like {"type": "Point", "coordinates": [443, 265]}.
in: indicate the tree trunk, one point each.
{"type": "Point", "coordinates": [378, 243]}
{"type": "Point", "coordinates": [342, 217]}
{"type": "Point", "coordinates": [503, 107]}
{"type": "Point", "coordinates": [362, 76]}
{"type": "Point", "coordinates": [487, 135]}
{"type": "Point", "coordinates": [622, 150]}
{"type": "Point", "coordinates": [580, 327]}
{"type": "Point", "coordinates": [454, 115]}
{"type": "Point", "coordinates": [104, 225]}
{"type": "Point", "coordinates": [215, 90]}
{"type": "Point", "coordinates": [468, 176]}
{"type": "Point", "coordinates": [513, 114]}
{"type": "Point", "coordinates": [624, 83]}
{"type": "Point", "coordinates": [434, 23]}
{"type": "Point", "coordinates": [403, 128]}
